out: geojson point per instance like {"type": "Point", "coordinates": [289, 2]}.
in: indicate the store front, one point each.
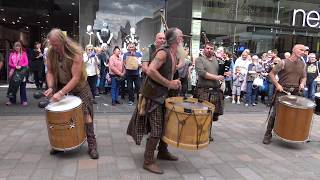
{"type": "Point", "coordinates": [29, 21]}
{"type": "Point", "coordinates": [257, 25]}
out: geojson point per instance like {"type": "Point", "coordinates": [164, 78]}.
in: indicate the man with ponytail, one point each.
{"type": "Point", "coordinates": [149, 116]}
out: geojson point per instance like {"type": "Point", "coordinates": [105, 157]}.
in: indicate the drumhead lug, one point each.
{"type": "Point", "coordinates": [189, 111]}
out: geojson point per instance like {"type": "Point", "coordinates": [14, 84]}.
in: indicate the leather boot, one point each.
{"type": "Point", "coordinates": [149, 163]}
{"type": "Point", "coordinates": [267, 137]}
{"type": "Point", "coordinates": [163, 152]}
{"type": "Point", "coordinates": [92, 142]}
{"type": "Point", "coordinates": [53, 152]}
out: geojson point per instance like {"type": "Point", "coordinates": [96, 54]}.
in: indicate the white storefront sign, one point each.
{"type": "Point", "coordinates": [310, 18]}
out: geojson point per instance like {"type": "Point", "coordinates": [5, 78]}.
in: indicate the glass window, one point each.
{"type": "Point", "coordinates": [113, 20]}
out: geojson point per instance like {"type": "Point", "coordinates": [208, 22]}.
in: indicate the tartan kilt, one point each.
{"type": "Point", "coordinates": [152, 122]}
{"type": "Point", "coordinates": [86, 96]}
{"type": "Point", "coordinates": [214, 96]}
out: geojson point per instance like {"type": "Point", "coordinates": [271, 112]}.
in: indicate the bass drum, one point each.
{"type": "Point", "coordinates": [188, 122]}
{"type": "Point", "coordinates": [294, 118]}
{"type": "Point", "coordinates": [65, 123]}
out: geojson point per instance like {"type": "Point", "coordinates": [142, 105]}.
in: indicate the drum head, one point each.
{"type": "Point", "coordinates": [65, 104]}
{"type": "Point", "coordinates": [297, 102]}
{"type": "Point", "coordinates": [191, 105]}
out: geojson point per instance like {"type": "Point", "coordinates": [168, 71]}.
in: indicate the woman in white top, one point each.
{"type": "Point", "coordinates": [91, 63]}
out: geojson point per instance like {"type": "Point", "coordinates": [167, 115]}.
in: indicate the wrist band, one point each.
{"type": "Point", "coordinates": [61, 93]}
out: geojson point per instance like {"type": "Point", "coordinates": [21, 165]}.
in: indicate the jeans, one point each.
{"type": "Point", "coordinates": [102, 80]}
{"type": "Point", "coordinates": [38, 78]}
{"type": "Point", "coordinates": [92, 80]}
{"type": "Point", "coordinates": [228, 90]}
{"type": "Point", "coordinates": [115, 84]}
{"type": "Point", "coordinates": [270, 92]}
{"type": "Point", "coordinates": [311, 90]}
{"type": "Point", "coordinates": [23, 93]}
{"type": "Point", "coordinates": [130, 81]}
{"type": "Point", "coordinates": [251, 93]}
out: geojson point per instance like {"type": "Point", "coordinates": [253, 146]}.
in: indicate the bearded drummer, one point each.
{"type": "Point", "coordinates": [292, 79]}
{"type": "Point", "coordinates": [208, 86]}
{"type": "Point", "coordinates": [149, 116]}
{"type": "Point", "coordinates": [66, 74]}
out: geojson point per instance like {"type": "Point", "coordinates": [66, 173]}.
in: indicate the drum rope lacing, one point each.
{"type": "Point", "coordinates": [183, 122]}
{"type": "Point", "coordinates": [180, 122]}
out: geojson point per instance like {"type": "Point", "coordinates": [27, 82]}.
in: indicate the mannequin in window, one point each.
{"type": "Point", "coordinates": [131, 38]}
{"type": "Point", "coordinates": [104, 35]}
{"type": "Point", "coordinates": [90, 33]}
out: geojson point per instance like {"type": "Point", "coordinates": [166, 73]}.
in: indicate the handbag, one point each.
{"type": "Point", "coordinates": [265, 86]}
{"type": "Point", "coordinates": [258, 82]}
{"type": "Point", "coordinates": [119, 78]}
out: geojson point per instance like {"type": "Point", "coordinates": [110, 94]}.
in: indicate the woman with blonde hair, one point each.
{"type": "Point", "coordinates": [18, 68]}
{"type": "Point", "coordinates": [91, 62]}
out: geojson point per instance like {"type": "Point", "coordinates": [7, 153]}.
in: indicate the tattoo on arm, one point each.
{"type": "Point", "coordinates": [155, 65]}
{"type": "Point", "coordinates": [157, 62]}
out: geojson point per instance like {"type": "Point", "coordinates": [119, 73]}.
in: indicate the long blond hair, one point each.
{"type": "Point", "coordinates": [71, 49]}
{"type": "Point", "coordinates": [21, 48]}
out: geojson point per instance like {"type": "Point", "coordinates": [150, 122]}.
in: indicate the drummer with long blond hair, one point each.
{"type": "Point", "coordinates": [292, 79]}
{"type": "Point", "coordinates": [67, 75]}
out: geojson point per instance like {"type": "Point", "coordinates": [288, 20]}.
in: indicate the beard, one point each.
{"type": "Point", "coordinates": [181, 53]}
{"type": "Point", "coordinates": [208, 54]}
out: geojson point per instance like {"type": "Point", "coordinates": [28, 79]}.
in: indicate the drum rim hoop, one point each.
{"type": "Point", "coordinates": [69, 96]}
{"type": "Point", "coordinates": [79, 106]}
{"type": "Point", "coordinates": [294, 106]}
{"type": "Point", "coordinates": [170, 106]}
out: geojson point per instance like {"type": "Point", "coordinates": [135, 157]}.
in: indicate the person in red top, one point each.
{"type": "Point", "coordinates": [18, 63]}
{"type": "Point", "coordinates": [116, 71]}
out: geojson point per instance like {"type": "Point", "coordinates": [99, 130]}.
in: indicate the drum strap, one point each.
{"type": "Point", "coordinates": [272, 104]}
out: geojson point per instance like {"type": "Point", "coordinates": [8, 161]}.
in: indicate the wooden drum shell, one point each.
{"type": "Point", "coordinates": [193, 133]}
{"type": "Point", "coordinates": [66, 129]}
{"type": "Point", "coordinates": [293, 124]}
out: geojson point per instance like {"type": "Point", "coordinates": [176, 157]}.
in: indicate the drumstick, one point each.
{"type": "Point", "coordinates": [288, 93]}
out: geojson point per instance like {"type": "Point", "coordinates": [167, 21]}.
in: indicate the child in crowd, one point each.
{"type": "Point", "coordinates": [238, 79]}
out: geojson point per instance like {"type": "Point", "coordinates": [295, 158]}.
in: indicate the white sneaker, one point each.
{"type": "Point", "coordinates": [246, 105]}
{"type": "Point", "coordinates": [254, 104]}
{"type": "Point", "coordinates": [233, 101]}
{"type": "Point", "coordinates": [238, 102]}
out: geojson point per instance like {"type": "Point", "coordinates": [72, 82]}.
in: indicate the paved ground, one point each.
{"type": "Point", "coordinates": [237, 152]}
{"type": "Point", "coordinates": [103, 106]}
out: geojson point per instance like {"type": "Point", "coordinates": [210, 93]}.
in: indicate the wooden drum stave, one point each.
{"type": "Point", "coordinates": [187, 123]}
{"type": "Point", "coordinates": [65, 123]}
{"type": "Point", "coordinates": [294, 118]}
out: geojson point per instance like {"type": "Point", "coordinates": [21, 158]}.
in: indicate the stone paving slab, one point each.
{"type": "Point", "coordinates": [236, 153]}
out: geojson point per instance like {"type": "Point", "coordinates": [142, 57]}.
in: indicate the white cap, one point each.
{"type": "Point", "coordinates": [306, 48]}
